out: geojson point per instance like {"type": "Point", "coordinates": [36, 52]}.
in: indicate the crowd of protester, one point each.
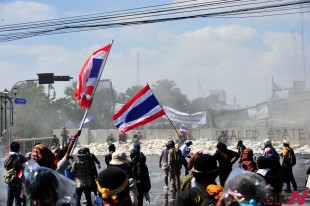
{"type": "Point", "coordinates": [49, 177]}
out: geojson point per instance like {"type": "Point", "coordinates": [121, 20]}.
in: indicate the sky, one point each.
{"type": "Point", "coordinates": [238, 55]}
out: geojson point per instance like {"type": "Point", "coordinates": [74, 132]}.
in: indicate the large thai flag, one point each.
{"type": "Point", "coordinates": [90, 75]}
{"type": "Point", "coordinates": [141, 109]}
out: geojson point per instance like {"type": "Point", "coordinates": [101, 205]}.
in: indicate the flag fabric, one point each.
{"type": "Point", "coordinates": [90, 75]}
{"type": "Point", "coordinates": [87, 119]}
{"type": "Point", "coordinates": [141, 109]}
{"type": "Point", "coordinates": [140, 136]}
{"type": "Point", "coordinates": [183, 129]}
{"type": "Point", "coordinates": [259, 112]}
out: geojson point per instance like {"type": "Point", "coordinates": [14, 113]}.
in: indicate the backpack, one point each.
{"type": "Point", "coordinates": [291, 159]}
{"type": "Point", "coordinates": [140, 172]}
{"type": "Point", "coordinates": [177, 158]}
{"type": "Point", "coordinates": [186, 182]}
{"type": "Point", "coordinates": [199, 196]}
{"type": "Point", "coordinates": [247, 154]}
{"type": "Point", "coordinates": [249, 165]}
{"type": "Point", "coordinates": [10, 166]}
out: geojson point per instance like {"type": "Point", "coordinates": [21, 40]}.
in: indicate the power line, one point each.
{"type": "Point", "coordinates": [150, 15]}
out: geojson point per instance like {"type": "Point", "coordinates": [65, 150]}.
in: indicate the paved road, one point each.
{"type": "Point", "coordinates": [160, 198]}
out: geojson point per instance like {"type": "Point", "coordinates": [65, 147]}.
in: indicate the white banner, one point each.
{"type": "Point", "coordinates": [259, 112]}
{"type": "Point", "coordinates": [174, 115]}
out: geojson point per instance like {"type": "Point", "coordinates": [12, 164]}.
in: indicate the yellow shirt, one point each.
{"type": "Point", "coordinates": [286, 151]}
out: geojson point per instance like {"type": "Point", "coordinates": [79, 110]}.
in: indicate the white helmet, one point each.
{"type": "Point", "coordinates": [267, 142]}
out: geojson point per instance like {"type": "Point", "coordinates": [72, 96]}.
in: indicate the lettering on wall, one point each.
{"type": "Point", "coordinates": [276, 134]}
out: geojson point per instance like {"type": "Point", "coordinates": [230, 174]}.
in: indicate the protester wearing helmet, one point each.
{"type": "Point", "coordinates": [186, 154]}
{"type": "Point", "coordinates": [288, 161]}
{"type": "Point", "coordinates": [82, 170]}
{"type": "Point", "coordinates": [163, 162]}
{"type": "Point", "coordinates": [267, 144]}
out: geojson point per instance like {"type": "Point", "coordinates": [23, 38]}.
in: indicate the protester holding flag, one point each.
{"type": "Point", "coordinates": [184, 133]}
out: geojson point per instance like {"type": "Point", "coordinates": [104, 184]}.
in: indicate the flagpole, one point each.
{"type": "Point", "coordinates": [95, 88]}
{"type": "Point", "coordinates": [165, 112]}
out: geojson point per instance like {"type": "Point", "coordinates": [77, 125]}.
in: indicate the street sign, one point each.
{"type": "Point", "coordinates": [20, 101]}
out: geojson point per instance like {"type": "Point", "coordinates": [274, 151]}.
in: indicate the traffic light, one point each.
{"type": "Point", "coordinates": [46, 78]}
{"type": "Point", "coordinates": [49, 78]}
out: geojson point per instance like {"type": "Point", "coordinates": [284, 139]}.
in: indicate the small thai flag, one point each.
{"type": "Point", "coordinates": [183, 129]}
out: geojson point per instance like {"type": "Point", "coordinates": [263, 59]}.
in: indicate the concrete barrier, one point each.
{"type": "Point", "coordinates": [297, 135]}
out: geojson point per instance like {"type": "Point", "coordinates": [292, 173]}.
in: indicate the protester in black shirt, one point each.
{"type": "Point", "coordinates": [226, 158]}
{"type": "Point", "coordinates": [240, 147]}
{"type": "Point", "coordinates": [108, 157]}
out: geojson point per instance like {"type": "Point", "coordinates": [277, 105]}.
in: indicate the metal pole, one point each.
{"type": "Point", "coordinates": [5, 101]}
{"type": "Point", "coordinates": [11, 119]}
{"type": "Point", "coordinates": [1, 108]}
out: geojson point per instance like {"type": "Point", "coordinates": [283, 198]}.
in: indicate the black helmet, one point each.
{"type": "Point", "coordinates": [112, 147]}
{"type": "Point", "coordinates": [170, 143]}
{"type": "Point", "coordinates": [221, 146]}
{"type": "Point", "coordinates": [82, 152]}
{"type": "Point", "coordinates": [134, 153]}
{"type": "Point", "coordinates": [188, 142]}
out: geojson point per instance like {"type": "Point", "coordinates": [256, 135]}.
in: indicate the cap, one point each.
{"type": "Point", "coordinates": [286, 141]}
{"type": "Point", "coordinates": [119, 158]}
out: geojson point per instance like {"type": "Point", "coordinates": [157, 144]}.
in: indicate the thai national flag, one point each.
{"type": "Point", "coordinates": [184, 129]}
{"type": "Point", "coordinates": [90, 75]}
{"type": "Point", "coordinates": [139, 110]}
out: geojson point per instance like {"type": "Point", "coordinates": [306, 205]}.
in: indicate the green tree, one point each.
{"type": "Point", "coordinates": [199, 104]}
{"type": "Point", "coordinates": [130, 92]}
{"type": "Point", "coordinates": [67, 109]}
{"type": "Point", "coordinates": [36, 118]}
{"type": "Point", "coordinates": [167, 93]}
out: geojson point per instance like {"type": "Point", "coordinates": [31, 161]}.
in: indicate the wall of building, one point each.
{"type": "Point", "coordinates": [297, 135]}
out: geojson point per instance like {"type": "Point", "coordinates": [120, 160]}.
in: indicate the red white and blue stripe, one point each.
{"type": "Point", "coordinates": [141, 109]}
{"type": "Point", "coordinates": [90, 75]}
{"type": "Point", "coordinates": [184, 129]}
